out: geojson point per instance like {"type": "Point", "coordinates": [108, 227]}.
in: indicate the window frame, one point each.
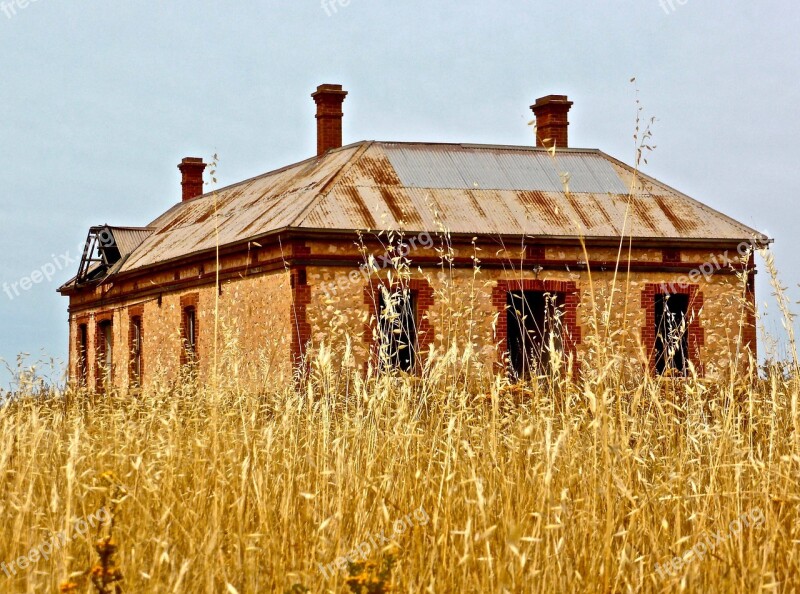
{"type": "Point", "coordinates": [572, 332]}
{"type": "Point", "coordinates": [530, 330]}
{"type": "Point", "coordinates": [391, 345]}
{"type": "Point", "coordinates": [189, 329]}
{"type": "Point", "coordinates": [424, 302]}
{"type": "Point", "coordinates": [664, 363]}
{"type": "Point", "coordinates": [82, 352]}
{"type": "Point", "coordinates": [696, 332]}
{"type": "Point", "coordinates": [136, 346]}
{"type": "Point", "coordinates": [104, 351]}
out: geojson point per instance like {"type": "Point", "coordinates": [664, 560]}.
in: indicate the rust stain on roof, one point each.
{"type": "Point", "coordinates": [361, 207]}
{"type": "Point", "coordinates": [641, 209]}
{"type": "Point", "coordinates": [542, 206]}
{"type": "Point", "coordinates": [476, 203]}
{"type": "Point", "coordinates": [378, 170]}
{"type": "Point", "coordinates": [402, 210]}
{"type": "Point", "coordinates": [600, 207]}
{"type": "Point", "coordinates": [680, 223]}
{"type": "Point", "coordinates": [250, 228]}
{"type": "Point", "coordinates": [176, 221]}
{"type": "Point", "coordinates": [578, 208]}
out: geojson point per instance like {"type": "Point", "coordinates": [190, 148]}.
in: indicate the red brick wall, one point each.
{"type": "Point", "coordinates": [301, 298]}
{"type": "Point", "coordinates": [552, 121]}
{"type": "Point", "coordinates": [191, 177]}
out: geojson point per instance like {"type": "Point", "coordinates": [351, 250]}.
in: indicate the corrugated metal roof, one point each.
{"type": "Point", "coordinates": [251, 208]}
{"type": "Point", "coordinates": [467, 188]}
{"type": "Point", "coordinates": [469, 167]}
{"type": "Point", "coordinates": [127, 239]}
{"type": "Point", "coordinates": [511, 212]}
{"type": "Point", "coordinates": [511, 191]}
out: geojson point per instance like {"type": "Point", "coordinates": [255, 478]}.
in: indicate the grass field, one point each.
{"type": "Point", "coordinates": [440, 483]}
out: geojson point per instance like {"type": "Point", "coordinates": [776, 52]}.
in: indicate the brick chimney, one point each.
{"type": "Point", "coordinates": [192, 177]}
{"type": "Point", "coordinates": [552, 121]}
{"type": "Point", "coordinates": [329, 99]}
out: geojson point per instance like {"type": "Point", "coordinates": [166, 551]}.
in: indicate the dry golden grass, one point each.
{"type": "Point", "coordinates": [580, 487]}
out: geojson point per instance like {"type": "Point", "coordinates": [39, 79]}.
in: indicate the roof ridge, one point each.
{"type": "Point", "coordinates": [179, 205]}
{"type": "Point", "coordinates": [470, 145]}
{"type": "Point", "coordinates": [129, 228]}
{"type": "Point", "coordinates": [267, 174]}
{"type": "Point", "coordinates": [332, 182]}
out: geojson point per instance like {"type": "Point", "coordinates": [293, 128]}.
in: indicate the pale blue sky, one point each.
{"type": "Point", "coordinates": [100, 101]}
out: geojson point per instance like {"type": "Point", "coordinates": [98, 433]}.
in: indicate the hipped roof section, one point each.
{"type": "Point", "coordinates": [466, 189]}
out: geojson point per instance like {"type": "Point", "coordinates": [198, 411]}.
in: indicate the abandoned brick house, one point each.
{"type": "Point", "coordinates": [546, 221]}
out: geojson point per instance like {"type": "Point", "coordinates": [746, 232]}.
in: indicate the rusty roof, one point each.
{"type": "Point", "coordinates": [470, 189]}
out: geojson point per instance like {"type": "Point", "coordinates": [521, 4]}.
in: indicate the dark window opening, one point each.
{"type": "Point", "coordinates": [189, 334]}
{"type": "Point", "coordinates": [672, 336]}
{"type": "Point", "coordinates": [136, 351]}
{"type": "Point", "coordinates": [534, 331]}
{"type": "Point", "coordinates": [398, 329]}
{"type": "Point", "coordinates": [105, 353]}
{"type": "Point", "coordinates": [83, 352]}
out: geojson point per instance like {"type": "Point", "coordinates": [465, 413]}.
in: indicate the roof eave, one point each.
{"type": "Point", "coordinates": [762, 242]}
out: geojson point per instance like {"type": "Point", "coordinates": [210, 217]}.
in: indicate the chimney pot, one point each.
{"type": "Point", "coordinates": [192, 177]}
{"type": "Point", "coordinates": [329, 99]}
{"type": "Point", "coordinates": [552, 121]}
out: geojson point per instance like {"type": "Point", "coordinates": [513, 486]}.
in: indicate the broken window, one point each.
{"type": "Point", "coordinates": [136, 350]}
{"type": "Point", "coordinates": [99, 253]}
{"type": "Point", "coordinates": [105, 353]}
{"type": "Point", "coordinates": [107, 247]}
{"type": "Point", "coordinates": [398, 329]}
{"type": "Point", "coordinates": [672, 336]}
{"type": "Point", "coordinates": [83, 352]}
{"type": "Point", "coordinates": [534, 331]}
